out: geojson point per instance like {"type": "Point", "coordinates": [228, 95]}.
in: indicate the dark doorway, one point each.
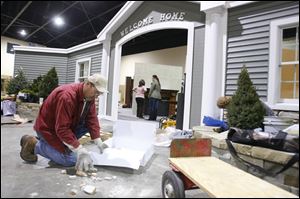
{"type": "Point", "coordinates": [156, 40]}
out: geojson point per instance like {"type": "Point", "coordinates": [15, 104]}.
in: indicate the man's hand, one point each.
{"type": "Point", "coordinates": [84, 160]}
{"type": "Point", "coordinates": [100, 144]}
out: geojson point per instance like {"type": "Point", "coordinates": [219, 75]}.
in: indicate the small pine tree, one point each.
{"type": "Point", "coordinates": [245, 110]}
{"type": "Point", "coordinates": [48, 83]}
{"type": "Point", "coordinates": [19, 82]}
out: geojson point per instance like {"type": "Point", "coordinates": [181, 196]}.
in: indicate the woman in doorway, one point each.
{"type": "Point", "coordinates": [140, 97]}
{"type": "Point", "coordinates": [154, 97]}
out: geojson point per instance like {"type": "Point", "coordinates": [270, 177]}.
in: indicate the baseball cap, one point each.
{"type": "Point", "coordinates": [99, 81]}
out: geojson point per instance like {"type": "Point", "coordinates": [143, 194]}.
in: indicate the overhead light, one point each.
{"type": "Point", "coordinates": [58, 21]}
{"type": "Point", "coordinates": [23, 32]}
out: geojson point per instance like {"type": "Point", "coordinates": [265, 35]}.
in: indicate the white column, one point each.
{"type": "Point", "coordinates": [213, 61]}
{"type": "Point", "coordinates": [104, 72]}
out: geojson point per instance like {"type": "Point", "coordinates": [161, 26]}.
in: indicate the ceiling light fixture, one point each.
{"type": "Point", "coordinates": [23, 32]}
{"type": "Point", "coordinates": [58, 21]}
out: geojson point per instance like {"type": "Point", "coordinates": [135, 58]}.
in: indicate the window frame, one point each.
{"type": "Point", "coordinates": [276, 27]}
{"type": "Point", "coordinates": [77, 73]}
{"type": "Point", "coordinates": [287, 63]}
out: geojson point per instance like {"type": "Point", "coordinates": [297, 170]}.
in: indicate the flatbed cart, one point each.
{"type": "Point", "coordinates": [193, 167]}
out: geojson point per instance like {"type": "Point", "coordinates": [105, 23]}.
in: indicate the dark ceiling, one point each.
{"type": "Point", "coordinates": [84, 20]}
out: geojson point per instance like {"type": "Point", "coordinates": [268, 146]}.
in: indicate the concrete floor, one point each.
{"type": "Point", "coordinates": [19, 179]}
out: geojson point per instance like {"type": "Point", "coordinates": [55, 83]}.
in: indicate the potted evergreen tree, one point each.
{"type": "Point", "coordinates": [245, 110]}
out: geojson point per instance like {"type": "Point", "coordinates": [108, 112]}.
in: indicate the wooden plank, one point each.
{"type": "Point", "coordinates": [220, 179]}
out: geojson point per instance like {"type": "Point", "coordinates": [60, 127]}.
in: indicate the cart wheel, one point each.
{"type": "Point", "coordinates": [172, 185]}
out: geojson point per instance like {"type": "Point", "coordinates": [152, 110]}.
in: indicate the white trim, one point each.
{"type": "Point", "coordinates": [189, 75]}
{"type": "Point", "coordinates": [224, 51]}
{"type": "Point", "coordinates": [290, 63]}
{"type": "Point", "coordinates": [188, 68]}
{"type": "Point", "coordinates": [118, 19]}
{"type": "Point", "coordinates": [58, 50]}
{"type": "Point", "coordinates": [211, 5]}
{"type": "Point", "coordinates": [83, 46]}
{"type": "Point", "coordinates": [232, 4]}
{"type": "Point", "coordinates": [104, 72]}
{"type": "Point", "coordinates": [214, 61]}
{"type": "Point", "coordinates": [274, 61]}
{"type": "Point", "coordinates": [284, 106]}
{"type": "Point", "coordinates": [40, 49]}
{"type": "Point", "coordinates": [89, 59]}
{"type": "Point", "coordinates": [116, 81]}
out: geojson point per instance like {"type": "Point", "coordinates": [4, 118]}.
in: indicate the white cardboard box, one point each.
{"type": "Point", "coordinates": [131, 145]}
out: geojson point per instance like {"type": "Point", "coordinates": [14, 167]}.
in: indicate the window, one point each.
{"type": "Point", "coordinates": [283, 84]}
{"type": "Point", "coordinates": [289, 64]}
{"type": "Point", "coordinates": [83, 67]}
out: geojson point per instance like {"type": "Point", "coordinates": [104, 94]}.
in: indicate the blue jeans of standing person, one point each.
{"type": "Point", "coordinates": [153, 104]}
{"type": "Point", "coordinates": [66, 159]}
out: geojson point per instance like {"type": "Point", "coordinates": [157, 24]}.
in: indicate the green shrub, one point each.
{"type": "Point", "coordinates": [245, 110]}
{"type": "Point", "coordinates": [35, 84]}
{"type": "Point", "coordinates": [48, 83]}
{"type": "Point", "coordinates": [31, 96]}
{"type": "Point", "coordinates": [28, 91]}
{"type": "Point", "coordinates": [17, 83]}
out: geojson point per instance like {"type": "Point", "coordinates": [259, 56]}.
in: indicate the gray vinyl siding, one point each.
{"type": "Point", "coordinates": [95, 53]}
{"type": "Point", "coordinates": [197, 76]}
{"type": "Point", "coordinates": [248, 41]}
{"type": "Point", "coordinates": [35, 64]}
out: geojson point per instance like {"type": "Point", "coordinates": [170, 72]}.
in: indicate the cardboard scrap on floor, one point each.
{"type": "Point", "coordinates": [131, 145]}
{"type": "Point", "coordinates": [16, 119]}
{"type": "Point", "coordinates": [87, 138]}
{"type": "Point", "coordinates": [89, 189]}
{"type": "Point", "coordinates": [19, 119]}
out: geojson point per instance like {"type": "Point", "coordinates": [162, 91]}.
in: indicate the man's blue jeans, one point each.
{"type": "Point", "coordinates": [66, 159]}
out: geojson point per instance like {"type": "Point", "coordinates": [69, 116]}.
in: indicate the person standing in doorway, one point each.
{"type": "Point", "coordinates": [154, 97]}
{"type": "Point", "coordinates": [140, 98]}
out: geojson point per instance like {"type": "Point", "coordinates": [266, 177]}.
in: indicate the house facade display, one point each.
{"type": "Point", "coordinates": [221, 37]}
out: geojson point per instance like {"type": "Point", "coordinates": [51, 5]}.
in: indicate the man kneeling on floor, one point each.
{"type": "Point", "coordinates": [67, 114]}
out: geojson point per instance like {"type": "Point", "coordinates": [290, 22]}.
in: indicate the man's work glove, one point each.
{"type": "Point", "coordinates": [100, 144]}
{"type": "Point", "coordinates": [84, 161]}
